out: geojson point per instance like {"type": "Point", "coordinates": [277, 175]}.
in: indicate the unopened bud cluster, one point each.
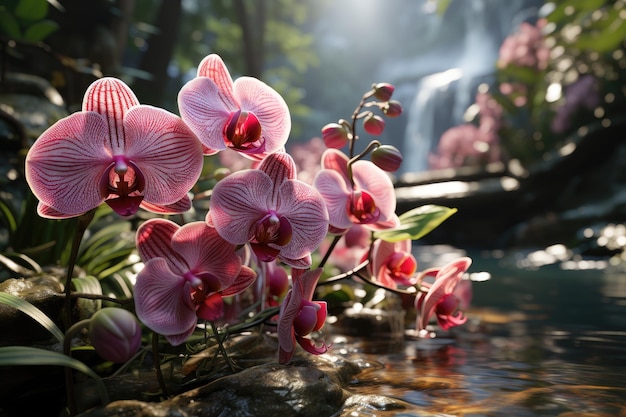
{"type": "Point", "coordinates": [338, 135]}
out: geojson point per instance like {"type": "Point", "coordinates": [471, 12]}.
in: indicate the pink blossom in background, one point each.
{"type": "Point", "coordinates": [278, 215]}
{"type": "Point", "coordinates": [465, 145]}
{"type": "Point", "coordinates": [115, 151]}
{"type": "Point", "coordinates": [349, 251]}
{"type": "Point", "coordinates": [246, 115]}
{"type": "Point", "coordinates": [369, 200]}
{"type": "Point", "coordinates": [307, 156]}
{"type": "Point", "coordinates": [490, 113]}
{"type": "Point", "coordinates": [526, 47]}
{"type": "Point", "coordinates": [582, 95]}
{"type": "Point", "coordinates": [300, 316]}
{"type": "Point", "coordinates": [187, 271]}
{"type": "Point", "coordinates": [442, 299]}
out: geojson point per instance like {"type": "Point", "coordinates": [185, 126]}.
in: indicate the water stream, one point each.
{"type": "Point", "coordinates": [539, 342]}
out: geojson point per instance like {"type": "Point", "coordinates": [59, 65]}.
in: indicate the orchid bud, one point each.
{"type": "Point", "coordinates": [277, 280]}
{"type": "Point", "coordinates": [374, 124]}
{"type": "Point", "coordinates": [387, 157]}
{"type": "Point", "coordinates": [335, 135]}
{"type": "Point", "coordinates": [392, 108]}
{"type": "Point", "coordinates": [115, 333]}
{"type": "Point", "coordinates": [383, 91]}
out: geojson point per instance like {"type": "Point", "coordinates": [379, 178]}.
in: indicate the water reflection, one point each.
{"type": "Point", "coordinates": [541, 342]}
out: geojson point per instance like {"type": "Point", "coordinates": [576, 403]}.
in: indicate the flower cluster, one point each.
{"type": "Point", "coordinates": [262, 220]}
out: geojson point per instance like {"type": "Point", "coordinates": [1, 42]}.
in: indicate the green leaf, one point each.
{"type": "Point", "coordinates": [8, 218]}
{"type": "Point", "coordinates": [25, 355]}
{"type": "Point", "coordinates": [40, 30]}
{"type": "Point", "coordinates": [31, 9]}
{"type": "Point", "coordinates": [32, 311]}
{"type": "Point", "coordinates": [416, 223]}
{"type": "Point", "coordinates": [9, 25]}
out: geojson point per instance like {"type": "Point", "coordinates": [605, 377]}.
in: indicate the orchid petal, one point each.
{"type": "Point", "coordinates": [213, 67]}
{"type": "Point", "coordinates": [237, 202]}
{"type": "Point", "coordinates": [280, 167]}
{"type": "Point", "coordinates": [165, 150]}
{"type": "Point", "coordinates": [180, 206]}
{"type": "Point", "coordinates": [212, 308]}
{"type": "Point", "coordinates": [288, 312]}
{"type": "Point", "coordinates": [65, 165]}
{"type": "Point", "coordinates": [205, 111]}
{"type": "Point", "coordinates": [154, 240]}
{"type": "Point", "coordinates": [270, 109]}
{"type": "Point", "coordinates": [48, 212]}
{"type": "Point", "coordinates": [448, 321]}
{"type": "Point", "coordinates": [246, 277]}
{"type": "Point", "coordinates": [111, 98]}
{"type": "Point", "coordinates": [300, 263]}
{"type": "Point", "coordinates": [305, 320]}
{"type": "Point", "coordinates": [306, 281]}
{"type": "Point", "coordinates": [306, 211]}
{"type": "Point", "coordinates": [308, 345]}
{"type": "Point", "coordinates": [336, 161]}
{"type": "Point", "coordinates": [333, 189]}
{"type": "Point", "coordinates": [368, 176]}
{"type": "Point", "coordinates": [163, 299]}
{"type": "Point", "coordinates": [179, 339]}
{"type": "Point", "coordinates": [446, 280]}
{"type": "Point", "coordinates": [204, 250]}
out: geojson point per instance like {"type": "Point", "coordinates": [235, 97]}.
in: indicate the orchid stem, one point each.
{"type": "Point", "coordinates": [330, 250]}
{"type": "Point", "coordinates": [157, 363]}
{"type": "Point", "coordinates": [83, 223]}
{"type": "Point", "coordinates": [221, 347]}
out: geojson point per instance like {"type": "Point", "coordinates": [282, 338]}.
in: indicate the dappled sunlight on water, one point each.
{"type": "Point", "coordinates": [545, 342]}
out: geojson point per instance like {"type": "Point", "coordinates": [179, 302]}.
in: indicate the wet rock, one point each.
{"type": "Point", "coordinates": [16, 327]}
{"type": "Point", "coordinates": [300, 389]}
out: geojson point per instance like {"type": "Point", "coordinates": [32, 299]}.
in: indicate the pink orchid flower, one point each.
{"type": "Point", "coordinates": [392, 263]}
{"type": "Point", "coordinates": [280, 216]}
{"type": "Point", "coordinates": [441, 298]}
{"type": "Point", "coordinates": [369, 199]}
{"type": "Point", "coordinates": [246, 115]}
{"type": "Point", "coordinates": [187, 271]}
{"type": "Point", "coordinates": [299, 316]}
{"type": "Point", "coordinates": [114, 151]}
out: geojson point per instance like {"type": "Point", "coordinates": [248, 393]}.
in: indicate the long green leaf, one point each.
{"type": "Point", "coordinates": [25, 355]}
{"type": "Point", "coordinates": [416, 223]}
{"type": "Point", "coordinates": [32, 311]}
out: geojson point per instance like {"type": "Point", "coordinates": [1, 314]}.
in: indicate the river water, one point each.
{"type": "Point", "coordinates": [540, 341]}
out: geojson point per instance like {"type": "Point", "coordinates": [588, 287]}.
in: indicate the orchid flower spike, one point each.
{"type": "Point", "coordinates": [115, 151]}
{"type": "Point", "coordinates": [246, 115]}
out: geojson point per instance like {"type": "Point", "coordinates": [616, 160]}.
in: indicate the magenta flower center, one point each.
{"type": "Point", "coordinates": [203, 285]}
{"type": "Point", "coordinates": [401, 264]}
{"type": "Point", "coordinates": [243, 132]}
{"type": "Point", "coordinates": [362, 208]}
{"type": "Point", "coordinates": [447, 305]}
{"type": "Point", "coordinates": [273, 228]}
{"type": "Point", "coordinates": [122, 186]}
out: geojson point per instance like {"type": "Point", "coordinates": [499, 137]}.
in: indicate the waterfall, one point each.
{"type": "Point", "coordinates": [440, 84]}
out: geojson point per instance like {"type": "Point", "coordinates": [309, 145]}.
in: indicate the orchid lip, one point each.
{"type": "Point", "coordinates": [243, 132]}
{"type": "Point", "coordinates": [362, 208]}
